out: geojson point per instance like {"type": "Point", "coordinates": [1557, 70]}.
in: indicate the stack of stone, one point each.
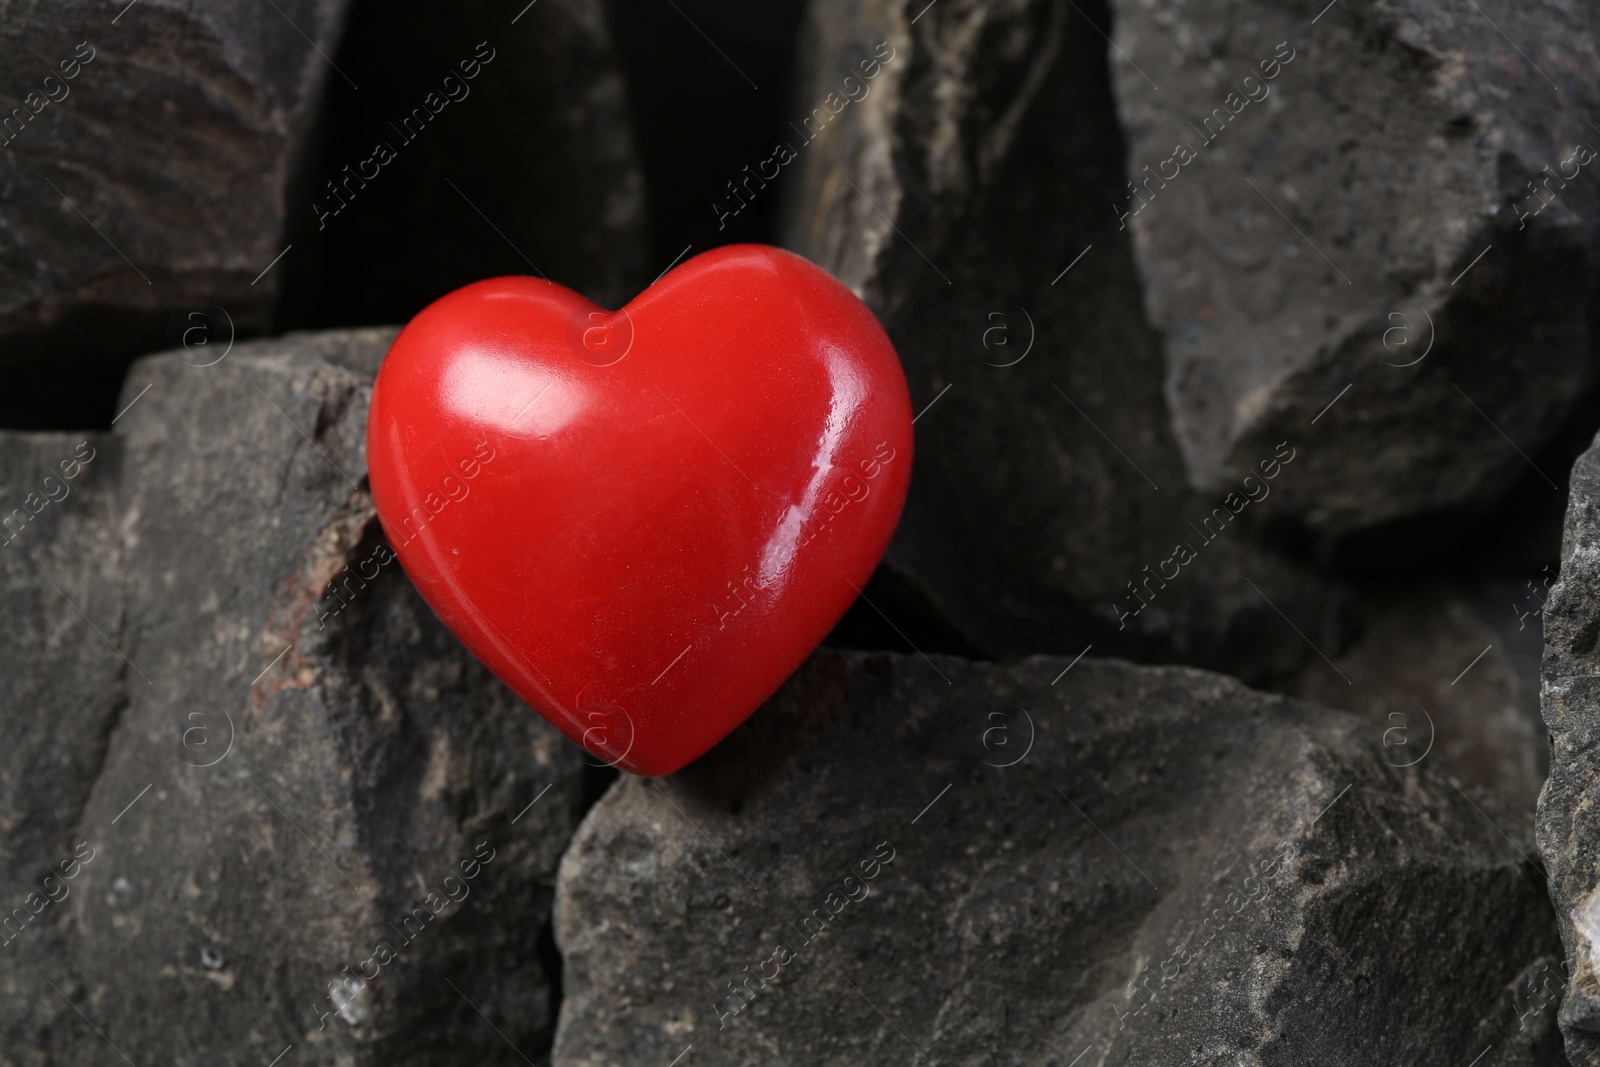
{"type": "Point", "coordinates": [1250, 348]}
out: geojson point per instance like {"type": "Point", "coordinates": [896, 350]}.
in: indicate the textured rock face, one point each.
{"type": "Point", "coordinates": [148, 161]}
{"type": "Point", "coordinates": [297, 775]}
{"type": "Point", "coordinates": [1141, 866]}
{"type": "Point", "coordinates": [1569, 837]}
{"type": "Point", "coordinates": [506, 129]}
{"type": "Point", "coordinates": [1454, 671]}
{"type": "Point", "coordinates": [1310, 198]}
{"type": "Point", "coordinates": [65, 687]}
{"type": "Point", "coordinates": [964, 175]}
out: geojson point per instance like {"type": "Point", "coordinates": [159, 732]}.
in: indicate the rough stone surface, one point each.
{"type": "Point", "coordinates": [1324, 223]}
{"type": "Point", "coordinates": [65, 687]}
{"type": "Point", "coordinates": [153, 181]}
{"type": "Point", "coordinates": [1569, 833]}
{"type": "Point", "coordinates": [1452, 670]}
{"type": "Point", "coordinates": [261, 818]}
{"type": "Point", "coordinates": [954, 196]}
{"type": "Point", "coordinates": [1053, 908]}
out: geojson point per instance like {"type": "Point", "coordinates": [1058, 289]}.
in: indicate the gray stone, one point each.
{"type": "Point", "coordinates": [1331, 228]}
{"type": "Point", "coordinates": [1054, 849]}
{"type": "Point", "coordinates": [1454, 670]}
{"type": "Point", "coordinates": [300, 764]}
{"type": "Point", "coordinates": [1569, 837]}
{"type": "Point", "coordinates": [153, 181]}
{"type": "Point", "coordinates": [956, 196]}
{"type": "Point", "coordinates": [65, 687]}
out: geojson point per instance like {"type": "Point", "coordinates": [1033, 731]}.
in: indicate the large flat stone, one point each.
{"type": "Point", "coordinates": [880, 868]}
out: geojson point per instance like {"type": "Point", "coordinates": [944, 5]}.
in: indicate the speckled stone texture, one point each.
{"type": "Point", "coordinates": [940, 861]}
{"type": "Point", "coordinates": [1569, 832]}
{"type": "Point", "coordinates": [1322, 181]}
{"type": "Point", "coordinates": [295, 776]}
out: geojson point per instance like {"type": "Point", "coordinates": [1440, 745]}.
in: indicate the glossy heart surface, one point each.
{"type": "Point", "coordinates": [643, 521]}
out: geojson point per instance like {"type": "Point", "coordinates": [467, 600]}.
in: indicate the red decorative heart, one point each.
{"type": "Point", "coordinates": [642, 521]}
